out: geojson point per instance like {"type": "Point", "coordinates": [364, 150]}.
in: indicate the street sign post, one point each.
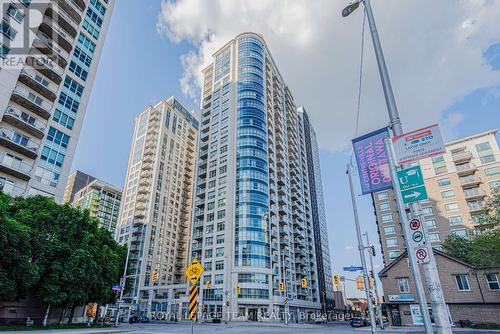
{"type": "Point", "coordinates": [193, 272]}
{"type": "Point", "coordinates": [418, 144]}
{"type": "Point", "coordinates": [422, 254]}
{"type": "Point", "coordinates": [411, 183]}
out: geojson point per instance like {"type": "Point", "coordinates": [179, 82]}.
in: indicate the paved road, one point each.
{"type": "Point", "coordinates": [244, 328]}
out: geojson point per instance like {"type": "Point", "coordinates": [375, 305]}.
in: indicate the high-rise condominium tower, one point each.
{"type": "Point", "coordinates": [320, 227]}
{"type": "Point", "coordinates": [157, 200]}
{"type": "Point", "coordinates": [253, 226]}
{"type": "Point", "coordinates": [102, 200]}
{"type": "Point", "coordinates": [458, 183]}
{"type": "Point", "coordinates": [49, 52]}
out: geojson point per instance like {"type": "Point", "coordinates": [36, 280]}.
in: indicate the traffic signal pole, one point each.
{"type": "Point", "coordinates": [361, 249]}
{"type": "Point", "coordinates": [430, 270]}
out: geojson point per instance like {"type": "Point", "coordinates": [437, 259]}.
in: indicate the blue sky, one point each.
{"type": "Point", "coordinates": [140, 66]}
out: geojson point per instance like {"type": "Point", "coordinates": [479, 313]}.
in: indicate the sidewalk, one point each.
{"type": "Point", "coordinates": [420, 330]}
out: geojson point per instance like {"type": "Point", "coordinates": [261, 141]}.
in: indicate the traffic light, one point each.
{"type": "Point", "coordinates": [372, 250]}
{"type": "Point", "coordinates": [371, 282]}
{"type": "Point", "coordinates": [238, 289]}
{"type": "Point", "coordinates": [207, 286]}
{"type": "Point", "coordinates": [154, 276]}
{"type": "Point", "coordinates": [336, 279]}
{"type": "Point", "coordinates": [282, 286]}
{"type": "Point", "coordinates": [303, 283]}
{"type": "Point", "coordinates": [359, 283]}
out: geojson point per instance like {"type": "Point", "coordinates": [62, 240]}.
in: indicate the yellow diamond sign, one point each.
{"type": "Point", "coordinates": [194, 271]}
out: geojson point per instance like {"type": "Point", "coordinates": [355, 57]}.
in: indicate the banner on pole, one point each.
{"type": "Point", "coordinates": [373, 161]}
{"type": "Point", "coordinates": [418, 144]}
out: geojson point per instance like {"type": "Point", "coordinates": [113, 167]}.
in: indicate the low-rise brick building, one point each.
{"type": "Point", "coordinates": [470, 293]}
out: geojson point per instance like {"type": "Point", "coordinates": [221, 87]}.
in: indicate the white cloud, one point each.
{"type": "Point", "coordinates": [434, 54]}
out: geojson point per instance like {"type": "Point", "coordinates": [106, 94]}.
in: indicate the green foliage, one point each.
{"type": "Point", "coordinates": [59, 253]}
{"type": "Point", "coordinates": [481, 250]}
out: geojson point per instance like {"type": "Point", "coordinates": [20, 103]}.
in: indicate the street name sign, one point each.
{"type": "Point", "coordinates": [194, 271]}
{"type": "Point", "coordinates": [418, 144]}
{"type": "Point", "coordinates": [353, 268]}
{"type": "Point", "coordinates": [411, 183]}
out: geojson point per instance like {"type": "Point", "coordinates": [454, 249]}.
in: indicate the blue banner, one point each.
{"type": "Point", "coordinates": [373, 161]}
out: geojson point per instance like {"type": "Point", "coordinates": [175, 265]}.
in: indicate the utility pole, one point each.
{"type": "Point", "coordinates": [430, 270]}
{"type": "Point", "coordinates": [361, 249]}
{"type": "Point", "coordinates": [124, 278]}
{"type": "Point", "coordinates": [379, 307]}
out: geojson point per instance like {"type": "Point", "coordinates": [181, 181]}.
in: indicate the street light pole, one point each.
{"type": "Point", "coordinates": [361, 249]}
{"type": "Point", "coordinates": [430, 269]}
{"type": "Point", "coordinates": [124, 277]}
{"type": "Point", "coordinates": [378, 306]}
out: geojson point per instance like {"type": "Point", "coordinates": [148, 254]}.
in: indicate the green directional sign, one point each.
{"type": "Point", "coordinates": [410, 178]}
{"type": "Point", "coordinates": [414, 195]}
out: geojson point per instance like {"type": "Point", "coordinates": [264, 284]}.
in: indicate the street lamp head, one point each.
{"type": "Point", "coordinates": [351, 8]}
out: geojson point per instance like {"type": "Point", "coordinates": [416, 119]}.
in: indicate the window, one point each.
{"type": "Point", "coordinates": [219, 279]}
{"type": "Point", "coordinates": [450, 207]}
{"type": "Point", "coordinates": [387, 218]}
{"type": "Point", "coordinates": [460, 233]}
{"type": "Point", "coordinates": [393, 255]}
{"type": "Point", "coordinates": [462, 282]}
{"type": "Point", "coordinates": [382, 195]}
{"type": "Point", "coordinates": [444, 182]}
{"type": "Point", "coordinates": [219, 251]}
{"type": "Point", "coordinates": [15, 13]}
{"type": "Point", "coordinates": [455, 220]}
{"type": "Point", "coordinates": [485, 152]}
{"type": "Point", "coordinates": [208, 266]}
{"type": "Point", "coordinates": [404, 287]}
{"type": "Point", "coordinates": [220, 239]}
{"type": "Point", "coordinates": [427, 211]}
{"type": "Point", "coordinates": [492, 280]}
{"type": "Point", "coordinates": [385, 206]}
{"type": "Point", "coordinates": [494, 185]}
{"type": "Point", "coordinates": [7, 30]}
{"type": "Point", "coordinates": [4, 51]}
{"type": "Point", "coordinates": [431, 223]}
{"type": "Point", "coordinates": [389, 230]}
{"type": "Point", "coordinates": [219, 265]}
{"type": "Point", "coordinates": [492, 171]}
{"type": "Point", "coordinates": [392, 242]}
{"type": "Point", "coordinates": [434, 237]}
{"type": "Point", "coordinates": [439, 165]}
{"type": "Point", "coordinates": [209, 241]}
{"type": "Point", "coordinates": [447, 193]}
{"type": "Point", "coordinates": [208, 253]}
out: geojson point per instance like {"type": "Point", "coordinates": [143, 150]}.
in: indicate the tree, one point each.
{"type": "Point", "coordinates": [72, 260]}
{"type": "Point", "coordinates": [481, 250]}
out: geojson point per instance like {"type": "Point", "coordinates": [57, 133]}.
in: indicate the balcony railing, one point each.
{"type": "Point", "coordinates": [26, 122]}
{"type": "Point", "coordinates": [461, 156]}
{"type": "Point", "coordinates": [35, 99]}
{"type": "Point", "coordinates": [39, 79]}
{"type": "Point", "coordinates": [23, 144]}
{"type": "Point", "coordinates": [15, 165]}
{"type": "Point", "coordinates": [474, 193]}
{"type": "Point", "coordinates": [47, 40]}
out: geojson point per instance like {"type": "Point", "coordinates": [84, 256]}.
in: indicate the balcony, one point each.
{"type": "Point", "coordinates": [461, 157]}
{"type": "Point", "coordinates": [72, 9]}
{"type": "Point", "coordinates": [46, 65]}
{"type": "Point", "coordinates": [25, 122]}
{"type": "Point", "coordinates": [198, 235]}
{"type": "Point", "coordinates": [470, 181]}
{"type": "Point", "coordinates": [32, 102]}
{"type": "Point", "coordinates": [39, 84]}
{"type": "Point", "coordinates": [466, 169]}
{"type": "Point", "coordinates": [57, 34]}
{"type": "Point", "coordinates": [474, 193]}
{"type": "Point", "coordinates": [475, 207]}
{"type": "Point", "coordinates": [14, 167]}
{"type": "Point", "coordinates": [18, 143]}
{"type": "Point", "coordinates": [63, 19]}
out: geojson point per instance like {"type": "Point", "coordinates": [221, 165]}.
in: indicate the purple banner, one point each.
{"type": "Point", "coordinates": [373, 161]}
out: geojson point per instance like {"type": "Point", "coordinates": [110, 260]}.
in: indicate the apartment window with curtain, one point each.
{"type": "Point", "coordinates": [439, 165]}
{"type": "Point", "coordinates": [485, 152]}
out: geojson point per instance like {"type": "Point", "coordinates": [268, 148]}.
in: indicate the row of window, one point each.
{"type": "Point", "coordinates": [462, 282]}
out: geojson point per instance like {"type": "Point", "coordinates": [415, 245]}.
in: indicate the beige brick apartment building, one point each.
{"type": "Point", "coordinates": [458, 183]}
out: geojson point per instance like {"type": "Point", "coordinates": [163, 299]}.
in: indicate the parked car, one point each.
{"type": "Point", "coordinates": [359, 322]}
{"type": "Point", "coordinates": [138, 319]}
